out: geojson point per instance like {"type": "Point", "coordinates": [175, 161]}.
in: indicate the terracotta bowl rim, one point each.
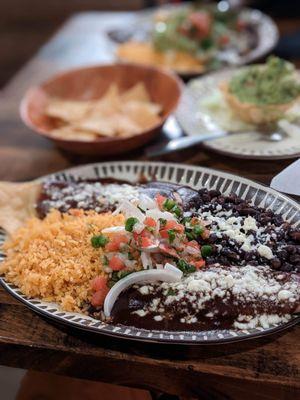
{"type": "Point", "coordinates": [23, 108]}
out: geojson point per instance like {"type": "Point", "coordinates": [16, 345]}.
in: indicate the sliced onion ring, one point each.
{"type": "Point", "coordinates": [151, 275]}
{"type": "Point", "coordinates": [176, 271]}
{"type": "Point", "coordinates": [114, 229]}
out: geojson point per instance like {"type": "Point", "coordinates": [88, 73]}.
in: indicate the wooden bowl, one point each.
{"type": "Point", "coordinates": [88, 83]}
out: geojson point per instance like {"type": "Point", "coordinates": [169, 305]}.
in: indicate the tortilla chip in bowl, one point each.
{"type": "Point", "coordinates": [102, 110]}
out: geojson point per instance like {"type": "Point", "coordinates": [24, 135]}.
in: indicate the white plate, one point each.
{"type": "Point", "coordinates": [194, 119]}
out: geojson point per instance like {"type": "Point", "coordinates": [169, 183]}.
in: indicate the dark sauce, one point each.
{"type": "Point", "coordinates": [131, 300]}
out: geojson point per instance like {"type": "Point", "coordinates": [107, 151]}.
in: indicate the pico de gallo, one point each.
{"type": "Point", "coordinates": [155, 232]}
{"type": "Point", "coordinates": [203, 32]}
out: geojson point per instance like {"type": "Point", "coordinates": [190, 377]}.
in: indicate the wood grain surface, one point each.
{"type": "Point", "coordinates": [266, 368]}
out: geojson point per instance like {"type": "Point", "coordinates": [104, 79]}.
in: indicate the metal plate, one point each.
{"type": "Point", "coordinates": [196, 177]}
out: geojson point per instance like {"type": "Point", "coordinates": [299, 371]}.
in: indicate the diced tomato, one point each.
{"type": "Point", "coordinates": [150, 222]}
{"type": "Point", "coordinates": [99, 297]}
{"type": "Point", "coordinates": [100, 282]}
{"type": "Point", "coordinates": [160, 200]}
{"type": "Point", "coordinates": [112, 246]}
{"type": "Point", "coordinates": [205, 234]}
{"type": "Point", "coordinates": [198, 264]}
{"type": "Point", "coordinates": [116, 241]}
{"type": "Point", "coordinates": [164, 234]}
{"type": "Point", "coordinates": [146, 242]}
{"type": "Point", "coordinates": [202, 22]}
{"type": "Point", "coordinates": [168, 250]}
{"type": "Point", "coordinates": [241, 25]}
{"type": "Point", "coordinates": [116, 264]}
{"type": "Point", "coordinates": [145, 233]}
{"type": "Point", "coordinates": [223, 40]}
{"type": "Point", "coordinates": [193, 244]}
{"type": "Point", "coordinates": [174, 225]}
{"type": "Point", "coordinates": [138, 236]}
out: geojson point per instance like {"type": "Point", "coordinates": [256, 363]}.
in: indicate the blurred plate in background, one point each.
{"type": "Point", "coordinates": [199, 113]}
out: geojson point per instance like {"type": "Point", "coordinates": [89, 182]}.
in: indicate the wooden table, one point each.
{"type": "Point", "coordinates": [263, 369]}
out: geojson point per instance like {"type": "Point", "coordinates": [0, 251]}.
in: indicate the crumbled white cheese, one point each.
{"type": "Point", "coordinates": [85, 194]}
{"type": "Point", "coordinates": [250, 224]}
{"type": "Point", "coordinates": [265, 251]}
{"type": "Point", "coordinates": [144, 290]}
{"type": "Point", "coordinates": [285, 294]}
{"type": "Point", "coordinates": [265, 321]}
{"type": "Point", "coordinates": [140, 313]}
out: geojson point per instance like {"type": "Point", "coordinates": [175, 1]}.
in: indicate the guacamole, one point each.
{"type": "Point", "coordinates": [273, 83]}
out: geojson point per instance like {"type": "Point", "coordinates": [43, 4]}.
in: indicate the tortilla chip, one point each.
{"type": "Point", "coordinates": [108, 104]}
{"type": "Point", "coordinates": [72, 133]}
{"type": "Point", "coordinates": [145, 53]}
{"type": "Point", "coordinates": [138, 92]}
{"type": "Point", "coordinates": [143, 114]}
{"type": "Point", "coordinates": [17, 203]}
{"type": "Point", "coordinates": [125, 126]}
{"type": "Point", "coordinates": [97, 124]}
{"type": "Point", "coordinates": [114, 114]}
{"type": "Point", "coordinates": [67, 110]}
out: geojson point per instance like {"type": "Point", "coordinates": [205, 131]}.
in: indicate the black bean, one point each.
{"type": "Point", "coordinates": [295, 236]}
{"type": "Point", "coordinates": [277, 220]}
{"type": "Point", "coordinates": [203, 190]}
{"type": "Point", "coordinates": [253, 262]}
{"type": "Point", "coordinates": [250, 255]}
{"type": "Point", "coordinates": [286, 267]}
{"type": "Point", "coordinates": [264, 219]}
{"type": "Point", "coordinates": [282, 254]}
{"type": "Point", "coordinates": [214, 193]}
{"type": "Point", "coordinates": [212, 238]}
{"type": "Point", "coordinates": [291, 249]}
{"type": "Point", "coordinates": [295, 259]}
{"type": "Point", "coordinates": [276, 263]}
{"type": "Point", "coordinates": [248, 211]}
{"type": "Point", "coordinates": [230, 254]}
{"type": "Point", "coordinates": [221, 200]}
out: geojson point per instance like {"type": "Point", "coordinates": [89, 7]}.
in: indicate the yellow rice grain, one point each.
{"type": "Point", "coordinates": [53, 259]}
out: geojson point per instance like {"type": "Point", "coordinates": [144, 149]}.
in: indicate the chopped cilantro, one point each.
{"type": "Point", "coordinates": [130, 222]}
{"type": "Point", "coordinates": [99, 241]}
{"type": "Point", "coordinates": [185, 267]}
{"type": "Point", "coordinates": [169, 204]}
{"type": "Point", "coordinates": [186, 220]}
{"type": "Point", "coordinates": [198, 230]}
{"type": "Point", "coordinates": [116, 276]}
{"type": "Point", "coordinates": [105, 260]}
{"type": "Point", "coordinates": [163, 222]}
{"type": "Point", "coordinates": [206, 250]}
{"type": "Point", "coordinates": [176, 210]}
{"type": "Point", "coordinates": [172, 235]}
{"type": "Point", "coordinates": [122, 274]}
{"type": "Point", "coordinates": [171, 292]}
